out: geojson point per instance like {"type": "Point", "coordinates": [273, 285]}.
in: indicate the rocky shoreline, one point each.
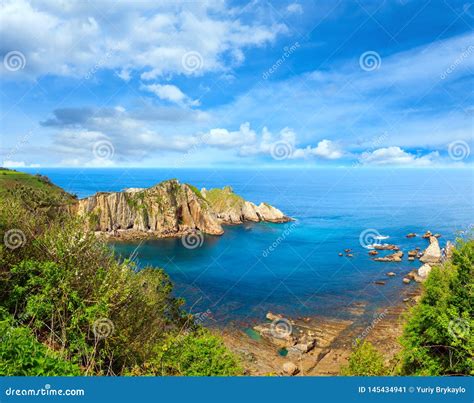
{"type": "Point", "coordinates": [317, 345]}
{"type": "Point", "coordinates": [321, 346]}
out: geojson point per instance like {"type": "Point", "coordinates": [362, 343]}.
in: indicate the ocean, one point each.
{"type": "Point", "coordinates": [295, 268]}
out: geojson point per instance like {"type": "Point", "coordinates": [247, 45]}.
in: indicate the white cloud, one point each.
{"type": "Point", "coordinates": [224, 138]}
{"type": "Point", "coordinates": [295, 8]}
{"type": "Point", "coordinates": [18, 164]}
{"type": "Point", "coordinates": [397, 156]}
{"type": "Point", "coordinates": [76, 39]}
{"type": "Point", "coordinates": [170, 93]}
{"type": "Point", "coordinates": [325, 149]}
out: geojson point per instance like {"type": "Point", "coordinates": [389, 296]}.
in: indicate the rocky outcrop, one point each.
{"type": "Point", "coordinates": [432, 253]}
{"type": "Point", "coordinates": [166, 209]}
{"type": "Point", "coordinates": [386, 246]}
{"type": "Point", "coordinates": [424, 271]}
{"type": "Point", "coordinates": [394, 257]}
{"type": "Point", "coordinates": [233, 209]}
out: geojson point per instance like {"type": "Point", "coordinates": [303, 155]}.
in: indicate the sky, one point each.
{"type": "Point", "coordinates": [229, 83]}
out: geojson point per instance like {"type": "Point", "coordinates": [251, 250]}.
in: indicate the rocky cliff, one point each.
{"type": "Point", "coordinates": [171, 209]}
{"type": "Point", "coordinates": [233, 209]}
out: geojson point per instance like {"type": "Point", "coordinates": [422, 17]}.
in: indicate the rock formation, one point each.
{"type": "Point", "coordinates": [423, 271]}
{"type": "Point", "coordinates": [170, 209]}
{"type": "Point", "coordinates": [233, 209]}
{"type": "Point", "coordinates": [394, 257]}
{"type": "Point", "coordinates": [432, 253]}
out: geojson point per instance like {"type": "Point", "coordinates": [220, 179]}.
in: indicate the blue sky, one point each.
{"type": "Point", "coordinates": [224, 83]}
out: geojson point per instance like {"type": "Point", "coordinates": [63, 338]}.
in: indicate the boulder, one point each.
{"type": "Point", "coordinates": [394, 257]}
{"type": "Point", "coordinates": [424, 270]}
{"type": "Point", "coordinates": [427, 234]}
{"type": "Point", "coordinates": [386, 246]}
{"type": "Point", "coordinates": [406, 280]}
{"type": "Point", "coordinates": [432, 253]}
{"type": "Point", "coordinates": [290, 368]}
{"type": "Point", "coordinates": [448, 251]}
{"type": "Point", "coordinates": [271, 316]}
{"type": "Point", "coordinates": [373, 253]}
{"type": "Point", "coordinates": [413, 253]}
{"type": "Point", "coordinates": [411, 235]}
{"type": "Point", "coordinates": [391, 274]}
{"type": "Point", "coordinates": [303, 346]}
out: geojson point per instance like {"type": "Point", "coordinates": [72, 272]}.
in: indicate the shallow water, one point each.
{"type": "Point", "coordinates": [295, 268]}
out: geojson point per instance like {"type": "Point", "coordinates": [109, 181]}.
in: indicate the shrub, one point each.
{"type": "Point", "coordinates": [365, 360]}
{"type": "Point", "coordinates": [438, 338]}
{"type": "Point", "coordinates": [196, 354]}
{"type": "Point", "coordinates": [22, 355]}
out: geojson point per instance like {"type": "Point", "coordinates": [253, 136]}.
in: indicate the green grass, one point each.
{"type": "Point", "coordinates": [35, 190]}
{"type": "Point", "coordinates": [223, 199]}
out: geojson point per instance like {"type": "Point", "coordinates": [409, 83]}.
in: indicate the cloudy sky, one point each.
{"type": "Point", "coordinates": [224, 83]}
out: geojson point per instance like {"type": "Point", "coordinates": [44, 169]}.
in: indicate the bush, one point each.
{"type": "Point", "coordinates": [195, 354]}
{"type": "Point", "coordinates": [98, 313]}
{"type": "Point", "coordinates": [22, 355]}
{"type": "Point", "coordinates": [438, 338]}
{"type": "Point", "coordinates": [365, 360]}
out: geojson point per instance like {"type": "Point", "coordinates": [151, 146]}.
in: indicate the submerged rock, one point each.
{"type": "Point", "coordinates": [411, 235]}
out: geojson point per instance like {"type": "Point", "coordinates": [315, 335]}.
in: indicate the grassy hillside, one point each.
{"type": "Point", "coordinates": [35, 191]}
{"type": "Point", "coordinates": [224, 199]}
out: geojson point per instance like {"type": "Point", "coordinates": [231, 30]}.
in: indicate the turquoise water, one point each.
{"type": "Point", "coordinates": [238, 278]}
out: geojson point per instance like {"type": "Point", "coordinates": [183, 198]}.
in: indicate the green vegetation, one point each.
{"type": "Point", "coordinates": [365, 360]}
{"type": "Point", "coordinates": [35, 191]}
{"type": "Point", "coordinates": [22, 354]}
{"type": "Point", "coordinates": [223, 199]}
{"type": "Point", "coordinates": [68, 306]}
{"type": "Point", "coordinates": [438, 338]}
{"type": "Point", "coordinates": [196, 191]}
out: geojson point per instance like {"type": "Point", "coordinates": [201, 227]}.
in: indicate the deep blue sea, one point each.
{"type": "Point", "coordinates": [233, 277]}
